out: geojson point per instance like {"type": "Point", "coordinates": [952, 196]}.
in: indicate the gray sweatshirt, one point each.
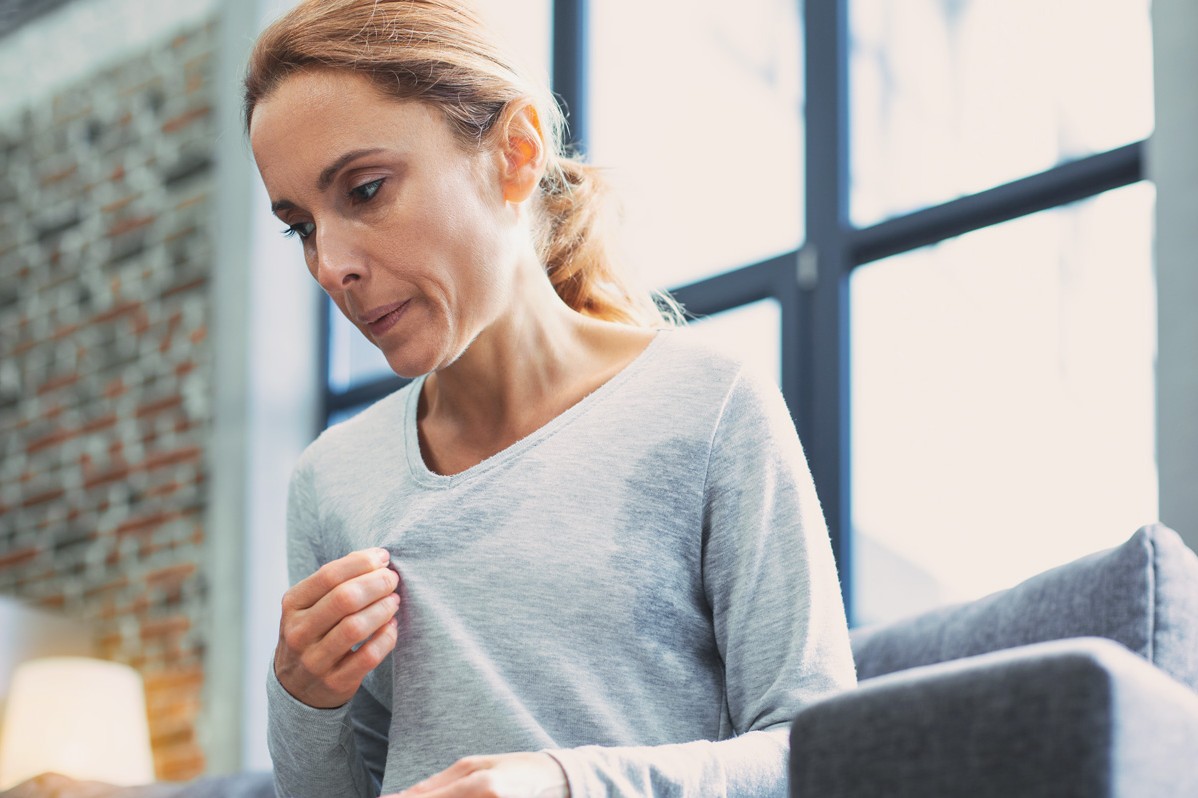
{"type": "Point", "coordinates": [643, 588]}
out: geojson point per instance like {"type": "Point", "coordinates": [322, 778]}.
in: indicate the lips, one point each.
{"type": "Point", "coordinates": [381, 319]}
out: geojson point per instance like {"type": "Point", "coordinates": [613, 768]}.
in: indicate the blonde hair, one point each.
{"type": "Point", "coordinates": [438, 52]}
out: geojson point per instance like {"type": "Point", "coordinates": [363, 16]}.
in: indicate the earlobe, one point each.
{"type": "Point", "coordinates": [524, 154]}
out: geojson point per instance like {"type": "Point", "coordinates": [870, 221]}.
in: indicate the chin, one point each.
{"type": "Point", "coordinates": [407, 369]}
{"type": "Point", "coordinates": [410, 365]}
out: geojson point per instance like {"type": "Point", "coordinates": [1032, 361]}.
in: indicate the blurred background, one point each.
{"type": "Point", "coordinates": [959, 233]}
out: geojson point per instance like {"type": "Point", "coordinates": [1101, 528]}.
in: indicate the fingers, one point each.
{"type": "Point", "coordinates": [454, 773]}
{"type": "Point", "coordinates": [336, 643]}
{"type": "Point", "coordinates": [347, 675]}
{"type": "Point", "coordinates": [350, 602]}
{"type": "Point", "coordinates": [518, 775]}
{"type": "Point", "coordinates": [312, 589]}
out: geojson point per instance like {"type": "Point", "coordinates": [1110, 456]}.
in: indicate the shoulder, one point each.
{"type": "Point", "coordinates": [380, 424]}
{"type": "Point", "coordinates": [751, 416]}
{"type": "Point", "coordinates": [739, 386]}
{"type": "Point", "coordinates": [688, 361]}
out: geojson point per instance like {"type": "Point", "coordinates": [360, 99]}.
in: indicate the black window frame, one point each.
{"type": "Point", "coordinates": [811, 284]}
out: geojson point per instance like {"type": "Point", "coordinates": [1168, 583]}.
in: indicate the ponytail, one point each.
{"type": "Point", "coordinates": [576, 246]}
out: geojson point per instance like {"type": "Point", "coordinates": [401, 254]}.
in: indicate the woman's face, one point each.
{"type": "Point", "coordinates": [406, 229]}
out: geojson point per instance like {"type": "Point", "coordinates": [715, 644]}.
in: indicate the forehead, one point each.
{"type": "Point", "coordinates": [315, 115]}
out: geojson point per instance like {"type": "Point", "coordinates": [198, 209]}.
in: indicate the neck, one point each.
{"type": "Point", "coordinates": [513, 371]}
{"type": "Point", "coordinates": [529, 365]}
{"type": "Point", "coordinates": [516, 365]}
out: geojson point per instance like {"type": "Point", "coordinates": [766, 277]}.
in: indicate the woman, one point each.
{"type": "Point", "coordinates": [580, 554]}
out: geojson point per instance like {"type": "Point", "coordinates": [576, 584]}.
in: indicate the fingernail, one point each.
{"type": "Point", "coordinates": [383, 556]}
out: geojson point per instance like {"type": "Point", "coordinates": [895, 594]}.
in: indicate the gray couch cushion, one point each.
{"type": "Point", "coordinates": [1143, 594]}
{"type": "Point", "coordinates": [1079, 718]}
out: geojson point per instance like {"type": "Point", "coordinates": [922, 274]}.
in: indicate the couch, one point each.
{"type": "Point", "coordinates": [1081, 681]}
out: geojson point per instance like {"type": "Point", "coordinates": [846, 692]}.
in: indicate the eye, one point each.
{"type": "Point", "coordinates": [366, 191]}
{"type": "Point", "coordinates": [303, 230]}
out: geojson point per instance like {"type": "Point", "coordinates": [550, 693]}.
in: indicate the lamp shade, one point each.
{"type": "Point", "coordinates": [84, 718]}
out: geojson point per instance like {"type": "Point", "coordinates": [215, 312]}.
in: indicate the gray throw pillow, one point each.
{"type": "Point", "coordinates": [1143, 594]}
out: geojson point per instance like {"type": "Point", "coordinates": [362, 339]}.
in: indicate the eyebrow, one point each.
{"type": "Point", "coordinates": [327, 175]}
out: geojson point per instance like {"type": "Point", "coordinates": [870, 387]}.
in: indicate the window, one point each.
{"type": "Point", "coordinates": [928, 220]}
{"type": "Point", "coordinates": [1002, 405]}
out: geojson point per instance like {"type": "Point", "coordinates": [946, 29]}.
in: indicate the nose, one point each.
{"type": "Point", "coordinates": [338, 260]}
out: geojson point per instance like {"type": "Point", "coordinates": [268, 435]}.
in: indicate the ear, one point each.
{"type": "Point", "coordinates": [522, 151]}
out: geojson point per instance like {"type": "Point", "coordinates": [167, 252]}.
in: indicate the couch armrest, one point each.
{"type": "Point", "coordinates": [1080, 717]}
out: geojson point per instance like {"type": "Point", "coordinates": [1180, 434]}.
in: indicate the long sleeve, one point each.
{"type": "Point", "coordinates": [770, 580]}
{"type": "Point", "coordinates": [323, 753]}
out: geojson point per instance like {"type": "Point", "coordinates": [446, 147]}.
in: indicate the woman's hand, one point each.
{"type": "Point", "coordinates": [502, 776]}
{"type": "Point", "coordinates": [347, 602]}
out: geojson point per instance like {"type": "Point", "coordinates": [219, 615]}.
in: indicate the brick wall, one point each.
{"type": "Point", "coordinates": [105, 367]}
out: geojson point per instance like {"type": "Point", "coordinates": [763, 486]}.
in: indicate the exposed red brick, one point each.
{"type": "Point", "coordinates": [129, 225]}
{"type": "Point", "coordinates": [23, 347]}
{"type": "Point", "coordinates": [110, 641]}
{"type": "Point", "coordinates": [186, 118]}
{"type": "Point", "coordinates": [115, 312]}
{"type": "Point", "coordinates": [117, 175]}
{"type": "Point", "coordinates": [114, 388]}
{"type": "Point", "coordinates": [140, 321]}
{"type": "Point", "coordinates": [181, 288]}
{"type": "Point", "coordinates": [59, 176]}
{"type": "Point", "coordinates": [174, 765]}
{"type": "Point", "coordinates": [185, 368]}
{"type": "Point", "coordinates": [146, 523]}
{"type": "Point", "coordinates": [190, 679]}
{"type": "Point", "coordinates": [60, 435]}
{"type": "Point", "coordinates": [95, 425]}
{"type": "Point", "coordinates": [123, 202]}
{"type": "Point", "coordinates": [55, 601]}
{"type": "Point", "coordinates": [165, 627]}
{"type": "Point", "coordinates": [108, 476]}
{"type": "Point", "coordinates": [171, 574]}
{"type": "Point", "coordinates": [170, 731]}
{"type": "Point", "coordinates": [165, 489]}
{"type": "Point", "coordinates": [153, 408]}
{"type": "Point", "coordinates": [173, 457]}
{"type": "Point", "coordinates": [61, 381]}
{"type": "Point", "coordinates": [65, 331]}
{"type": "Point", "coordinates": [43, 497]}
{"type": "Point", "coordinates": [190, 201]}
{"type": "Point", "coordinates": [19, 557]}
{"type": "Point", "coordinates": [199, 334]}
{"type": "Point", "coordinates": [136, 608]}
{"type": "Point", "coordinates": [113, 586]}
{"type": "Point", "coordinates": [180, 233]}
